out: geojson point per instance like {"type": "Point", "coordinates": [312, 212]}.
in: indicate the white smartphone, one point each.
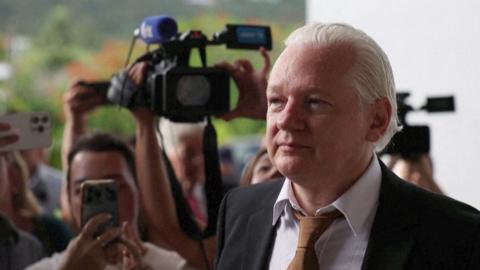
{"type": "Point", "coordinates": [34, 130]}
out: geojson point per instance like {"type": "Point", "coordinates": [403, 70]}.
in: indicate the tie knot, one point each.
{"type": "Point", "coordinates": [312, 227]}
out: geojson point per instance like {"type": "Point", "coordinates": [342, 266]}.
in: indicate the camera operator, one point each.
{"type": "Point", "coordinates": [251, 85]}
{"type": "Point", "coordinates": [18, 249]}
{"type": "Point", "coordinates": [169, 234]}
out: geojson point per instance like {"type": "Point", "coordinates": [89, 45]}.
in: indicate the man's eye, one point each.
{"type": "Point", "coordinates": [274, 102]}
{"type": "Point", "coordinates": [316, 103]}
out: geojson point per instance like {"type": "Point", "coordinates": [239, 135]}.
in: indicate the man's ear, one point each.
{"type": "Point", "coordinates": [380, 113]}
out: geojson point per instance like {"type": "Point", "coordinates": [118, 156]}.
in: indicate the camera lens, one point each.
{"type": "Point", "coordinates": [44, 119]}
{"type": "Point", "coordinates": [41, 129]}
{"type": "Point", "coordinates": [193, 90]}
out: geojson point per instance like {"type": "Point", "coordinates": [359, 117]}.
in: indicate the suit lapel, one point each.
{"type": "Point", "coordinates": [260, 234]}
{"type": "Point", "coordinates": [391, 239]}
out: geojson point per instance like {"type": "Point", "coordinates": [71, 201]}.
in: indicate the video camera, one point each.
{"type": "Point", "coordinates": [414, 140]}
{"type": "Point", "coordinates": [175, 90]}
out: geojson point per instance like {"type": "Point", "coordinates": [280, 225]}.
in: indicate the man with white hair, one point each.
{"type": "Point", "coordinates": [330, 106]}
{"type": "Point", "coordinates": [183, 144]}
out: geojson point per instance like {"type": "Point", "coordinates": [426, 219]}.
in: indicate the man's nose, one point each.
{"type": "Point", "coordinates": [292, 117]}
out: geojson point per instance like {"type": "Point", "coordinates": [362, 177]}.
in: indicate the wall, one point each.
{"type": "Point", "coordinates": [434, 49]}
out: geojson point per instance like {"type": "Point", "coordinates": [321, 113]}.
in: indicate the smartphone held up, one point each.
{"type": "Point", "coordinates": [34, 130]}
{"type": "Point", "coordinates": [100, 197]}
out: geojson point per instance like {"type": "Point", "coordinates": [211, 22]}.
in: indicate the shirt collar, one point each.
{"type": "Point", "coordinates": [356, 203]}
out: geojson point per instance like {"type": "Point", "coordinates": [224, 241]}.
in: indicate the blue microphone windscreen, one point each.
{"type": "Point", "coordinates": [158, 29]}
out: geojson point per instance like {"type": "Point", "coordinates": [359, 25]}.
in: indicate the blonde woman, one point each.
{"type": "Point", "coordinates": [25, 211]}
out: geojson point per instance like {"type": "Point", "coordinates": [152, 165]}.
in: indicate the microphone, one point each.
{"type": "Point", "coordinates": [157, 29]}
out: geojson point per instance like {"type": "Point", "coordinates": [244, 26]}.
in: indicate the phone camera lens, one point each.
{"type": "Point", "coordinates": [41, 129]}
{"type": "Point", "coordinates": [89, 198]}
{"type": "Point", "coordinates": [44, 119]}
{"type": "Point", "coordinates": [97, 193]}
{"type": "Point", "coordinates": [111, 195]}
{"type": "Point", "coordinates": [35, 120]}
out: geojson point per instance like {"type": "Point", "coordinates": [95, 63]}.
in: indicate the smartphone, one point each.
{"type": "Point", "coordinates": [34, 130]}
{"type": "Point", "coordinates": [100, 196]}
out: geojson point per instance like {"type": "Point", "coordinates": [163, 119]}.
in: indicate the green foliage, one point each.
{"type": "Point", "coordinates": [77, 39]}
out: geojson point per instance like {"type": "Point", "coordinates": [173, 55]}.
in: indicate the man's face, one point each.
{"type": "Point", "coordinates": [316, 123]}
{"type": "Point", "coordinates": [88, 165]}
{"type": "Point", "coordinates": [187, 160]}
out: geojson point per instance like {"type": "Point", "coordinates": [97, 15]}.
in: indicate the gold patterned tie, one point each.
{"type": "Point", "coordinates": [310, 230]}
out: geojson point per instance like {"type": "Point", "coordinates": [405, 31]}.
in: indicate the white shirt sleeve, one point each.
{"type": "Point", "coordinates": [159, 258]}
{"type": "Point", "coordinates": [49, 263]}
{"type": "Point", "coordinates": [155, 257]}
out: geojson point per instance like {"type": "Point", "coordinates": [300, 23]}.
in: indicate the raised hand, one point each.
{"type": "Point", "coordinates": [252, 86]}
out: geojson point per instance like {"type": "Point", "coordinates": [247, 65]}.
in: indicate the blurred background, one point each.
{"type": "Point", "coordinates": [434, 50]}
{"type": "Point", "coordinates": [44, 45]}
{"type": "Point", "coordinates": [433, 46]}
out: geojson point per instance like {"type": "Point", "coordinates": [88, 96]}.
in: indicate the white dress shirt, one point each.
{"type": "Point", "coordinates": [343, 244]}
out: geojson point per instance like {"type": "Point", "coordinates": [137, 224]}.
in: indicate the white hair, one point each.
{"type": "Point", "coordinates": [371, 74]}
{"type": "Point", "coordinates": [173, 133]}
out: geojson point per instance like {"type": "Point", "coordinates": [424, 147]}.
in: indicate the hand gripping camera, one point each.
{"type": "Point", "coordinates": [175, 90]}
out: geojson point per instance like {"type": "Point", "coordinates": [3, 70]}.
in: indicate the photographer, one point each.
{"type": "Point", "coordinates": [102, 156]}
{"type": "Point", "coordinates": [163, 229]}
{"type": "Point", "coordinates": [18, 249]}
{"type": "Point", "coordinates": [79, 101]}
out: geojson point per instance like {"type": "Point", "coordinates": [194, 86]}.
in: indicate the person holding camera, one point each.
{"type": "Point", "coordinates": [167, 232]}
{"type": "Point", "coordinates": [163, 228]}
{"type": "Point", "coordinates": [18, 249]}
{"type": "Point", "coordinates": [78, 102]}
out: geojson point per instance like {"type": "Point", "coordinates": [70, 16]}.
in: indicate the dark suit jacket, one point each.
{"type": "Point", "coordinates": [413, 229]}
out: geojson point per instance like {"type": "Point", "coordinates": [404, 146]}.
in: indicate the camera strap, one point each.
{"type": "Point", "coordinates": [184, 213]}
{"type": "Point", "coordinates": [213, 178]}
{"type": "Point", "coordinates": [212, 188]}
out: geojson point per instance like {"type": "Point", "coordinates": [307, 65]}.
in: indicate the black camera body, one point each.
{"type": "Point", "coordinates": [185, 94]}
{"type": "Point", "coordinates": [175, 90]}
{"type": "Point", "coordinates": [414, 140]}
